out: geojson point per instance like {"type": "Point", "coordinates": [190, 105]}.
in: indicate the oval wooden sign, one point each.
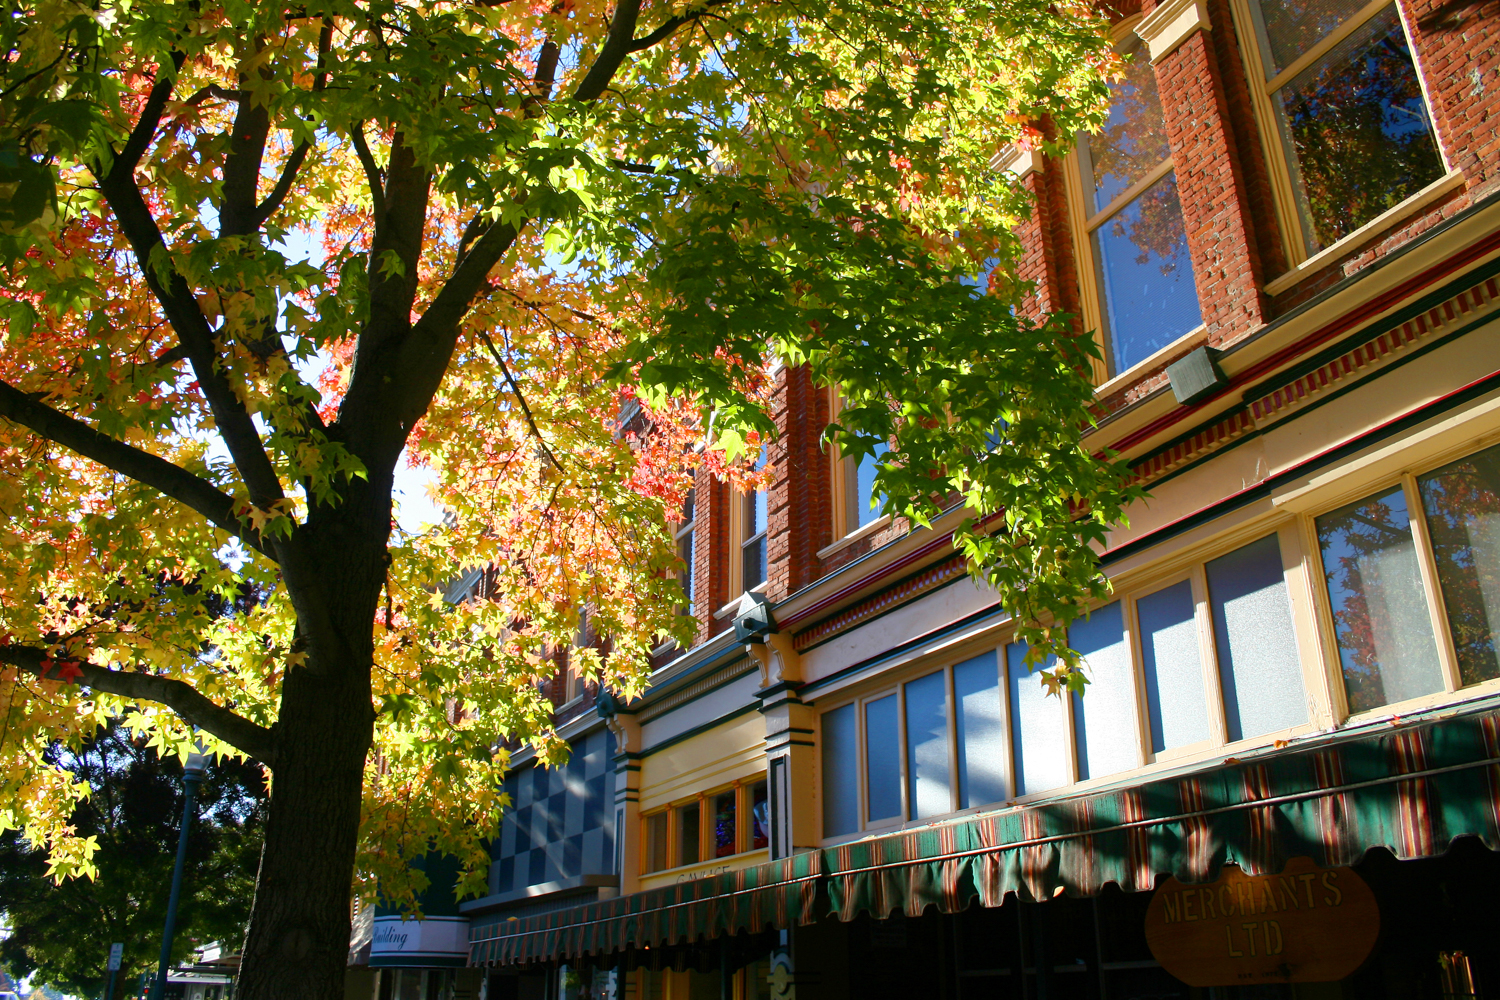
{"type": "Point", "coordinates": [1305, 925]}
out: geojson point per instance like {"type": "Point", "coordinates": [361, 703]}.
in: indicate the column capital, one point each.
{"type": "Point", "coordinates": [1170, 24]}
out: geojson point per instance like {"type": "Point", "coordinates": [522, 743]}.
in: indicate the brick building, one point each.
{"type": "Point", "coordinates": [1287, 239]}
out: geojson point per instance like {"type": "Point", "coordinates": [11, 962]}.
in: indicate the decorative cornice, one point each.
{"type": "Point", "coordinates": [731, 671]}
{"type": "Point", "coordinates": [900, 593]}
{"type": "Point", "coordinates": [1170, 24]}
{"type": "Point", "coordinates": [1264, 408]}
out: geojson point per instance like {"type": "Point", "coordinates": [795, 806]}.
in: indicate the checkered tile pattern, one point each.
{"type": "Point", "coordinates": [561, 820]}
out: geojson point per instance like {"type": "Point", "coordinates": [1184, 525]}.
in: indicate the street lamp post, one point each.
{"type": "Point", "coordinates": [192, 774]}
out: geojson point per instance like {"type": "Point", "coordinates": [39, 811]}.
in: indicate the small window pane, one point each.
{"type": "Point", "coordinates": [724, 824]}
{"type": "Point", "coordinates": [840, 772]}
{"type": "Point", "coordinates": [760, 817]}
{"type": "Point", "coordinates": [1173, 668]}
{"type": "Point", "coordinates": [755, 563]}
{"type": "Point", "coordinates": [981, 732]}
{"type": "Point", "coordinates": [1290, 27]}
{"type": "Point", "coordinates": [656, 842]}
{"type": "Point", "coordinates": [882, 760]}
{"type": "Point", "coordinates": [865, 507]}
{"type": "Point", "coordinates": [1386, 645]}
{"type": "Point", "coordinates": [685, 553]}
{"type": "Point", "coordinates": [1134, 140]}
{"type": "Point", "coordinates": [1104, 717]}
{"type": "Point", "coordinates": [1462, 503]}
{"type": "Point", "coordinates": [1146, 275]}
{"type": "Point", "coordinates": [688, 833]}
{"type": "Point", "coordinates": [1356, 132]}
{"type": "Point", "coordinates": [1259, 669]}
{"type": "Point", "coordinates": [1039, 729]}
{"type": "Point", "coordinates": [929, 788]}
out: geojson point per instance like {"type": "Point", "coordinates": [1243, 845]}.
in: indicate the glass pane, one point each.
{"type": "Point", "coordinates": [656, 842]}
{"type": "Point", "coordinates": [1134, 140]}
{"type": "Point", "coordinates": [929, 789]}
{"type": "Point", "coordinates": [685, 553]}
{"type": "Point", "coordinates": [1146, 275]}
{"type": "Point", "coordinates": [1259, 669]}
{"type": "Point", "coordinates": [981, 732]}
{"type": "Point", "coordinates": [1462, 503]}
{"type": "Point", "coordinates": [1386, 645]}
{"type": "Point", "coordinates": [760, 817]}
{"type": "Point", "coordinates": [1172, 667]}
{"type": "Point", "coordinates": [1289, 28]}
{"type": "Point", "coordinates": [688, 828]}
{"type": "Point", "coordinates": [1104, 718]}
{"type": "Point", "coordinates": [1356, 132]}
{"type": "Point", "coordinates": [882, 760]}
{"type": "Point", "coordinates": [755, 562]}
{"type": "Point", "coordinates": [724, 825]}
{"type": "Point", "coordinates": [1039, 729]}
{"type": "Point", "coordinates": [840, 772]}
{"type": "Point", "coordinates": [865, 509]}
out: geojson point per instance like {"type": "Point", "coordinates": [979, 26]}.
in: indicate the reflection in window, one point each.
{"type": "Point", "coordinates": [1385, 640]}
{"type": "Point", "coordinates": [1462, 504]}
{"type": "Point", "coordinates": [1173, 668]}
{"type": "Point", "coordinates": [753, 548]}
{"type": "Point", "coordinates": [863, 505]}
{"type": "Point", "coordinates": [929, 789]}
{"type": "Point", "coordinates": [882, 761]}
{"type": "Point", "coordinates": [1135, 223]}
{"type": "Point", "coordinates": [685, 549]}
{"type": "Point", "coordinates": [980, 728]}
{"type": "Point", "coordinates": [1260, 673]}
{"type": "Point", "coordinates": [760, 817]}
{"type": "Point", "coordinates": [1039, 728]}
{"type": "Point", "coordinates": [724, 824]}
{"type": "Point", "coordinates": [840, 771]}
{"type": "Point", "coordinates": [1349, 111]}
{"type": "Point", "coordinates": [1104, 718]}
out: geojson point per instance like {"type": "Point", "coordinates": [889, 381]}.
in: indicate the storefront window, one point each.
{"type": "Point", "coordinates": [882, 761]}
{"type": "Point", "coordinates": [1349, 111]}
{"type": "Point", "coordinates": [656, 842]}
{"type": "Point", "coordinates": [1104, 721]}
{"type": "Point", "coordinates": [980, 732]}
{"type": "Point", "coordinates": [929, 787]}
{"type": "Point", "coordinates": [1462, 505]}
{"type": "Point", "coordinates": [840, 738]}
{"type": "Point", "coordinates": [1176, 707]}
{"type": "Point", "coordinates": [688, 833]}
{"type": "Point", "coordinates": [1038, 728]}
{"type": "Point", "coordinates": [760, 817]}
{"type": "Point", "coordinates": [708, 827]}
{"type": "Point", "coordinates": [724, 824]}
{"type": "Point", "coordinates": [1385, 640]}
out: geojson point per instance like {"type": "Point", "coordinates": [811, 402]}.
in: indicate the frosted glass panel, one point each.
{"type": "Point", "coordinates": [882, 760]}
{"type": "Point", "coordinates": [1104, 718]}
{"type": "Point", "coordinates": [840, 772]}
{"type": "Point", "coordinates": [1386, 646]}
{"type": "Point", "coordinates": [1039, 729]}
{"type": "Point", "coordinates": [929, 785]}
{"type": "Point", "coordinates": [1259, 670]}
{"type": "Point", "coordinates": [981, 732]}
{"type": "Point", "coordinates": [1463, 517]}
{"type": "Point", "coordinates": [1172, 668]}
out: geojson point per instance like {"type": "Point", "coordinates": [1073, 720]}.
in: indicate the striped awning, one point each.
{"type": "Point", "coordinates": [1409, 785]}
{"type": "Point", "coordinates": [772, 895]}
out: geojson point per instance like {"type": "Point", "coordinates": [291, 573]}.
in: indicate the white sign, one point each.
{"type": "Point", "coordinates": [432, 936]}
{"type": "Point", "coordinates": [115, 951]}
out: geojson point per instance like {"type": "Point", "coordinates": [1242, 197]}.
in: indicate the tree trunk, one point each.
{"type": "Point", "coordinates": [297, 944]}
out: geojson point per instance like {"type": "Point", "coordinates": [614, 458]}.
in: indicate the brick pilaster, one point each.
{"type": "Point", "coordinates": [1458, 53]}
{"type": "Point", "coordinates": [800, 520]}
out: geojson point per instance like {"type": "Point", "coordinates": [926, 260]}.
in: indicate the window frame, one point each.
{"type": "Point", "coordinates": [1130, 586]}
{"type": "Point", "coordinates": [1082, 223]}
{"type": "Point", "coordinates": [743, 828]}
{"type": "Point", "coordinates": [843, 474]}
{"type": "Point", "coordinates": [1283, 197]}
{"type": "Point", "coordinates": [686, 530]}
{"type": "Point", "coordinates": [738, 502]}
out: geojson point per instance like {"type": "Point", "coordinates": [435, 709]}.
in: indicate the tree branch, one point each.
{"type": "Point", "coordinates": [142, 466]}
{"type": "Point", "coordinates": [371, 168]}
{"type": "Point", "coordinates": [181, 697]}
{"type": "Point", "coordinates": [616, 47]}
{"type": "Point", "coordinates": [151, 113]}
{"type": "Point", "coordinates": [671, 24]}
{"type": "Point", "coordinates": [283, 187]}
{"type": "Point", "coordinates": [521, 398]}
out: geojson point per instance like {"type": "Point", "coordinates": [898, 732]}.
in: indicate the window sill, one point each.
{"type": "Point", "coordinates": [1132, 374]}
{"type": "Point", "coordinates": [1385, 220]}
{"type": "Point", "coordinates": [863, 531]}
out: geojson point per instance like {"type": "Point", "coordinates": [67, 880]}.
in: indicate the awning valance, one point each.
{"type": "Point", "coordinates": [1411, 786]}
{"type": "Point", "coordinates": [776, 894]}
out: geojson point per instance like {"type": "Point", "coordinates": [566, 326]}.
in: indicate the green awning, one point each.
{"type": "Point", "coordinates": [1410, 785]}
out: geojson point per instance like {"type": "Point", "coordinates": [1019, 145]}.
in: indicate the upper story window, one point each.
{"type": "Point", "coordinates": [1133, 241]}
{"type": "Point", "coordinates": [754, 510]}
{"type": "Point", "coordinates": [718, 824]}
{"type": "Point", "coordinates": [1352, 133]}
{"type": "Point", "coordinates": [1183, 664]}
{"type": "Point", "coordinates": [1415, 600]}
{"type": "Point", "coordinates": [685, 547]}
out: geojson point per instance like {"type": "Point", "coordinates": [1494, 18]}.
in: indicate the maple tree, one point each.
{"type": "Point", "coordinates": [561, 241]}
